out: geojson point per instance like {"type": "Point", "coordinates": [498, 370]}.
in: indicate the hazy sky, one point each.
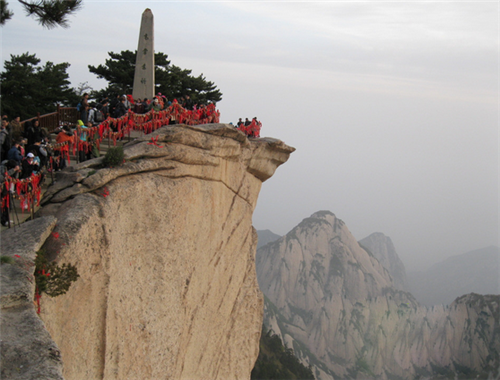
{"type": "Point", "coordinates": [393, 107]}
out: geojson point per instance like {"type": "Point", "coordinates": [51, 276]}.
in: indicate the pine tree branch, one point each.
{"type": "Point", "coordinates": [52, 13]}
{"type": "Point", "coordinates": [5, 13]}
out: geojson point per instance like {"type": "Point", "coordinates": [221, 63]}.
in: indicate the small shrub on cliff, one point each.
{"type": "Point", "coordinates": [6, 260]}
{"type": "Point", "coordinates": [114, 157]}
{"type": "Point", "coordinates": [52, 279]}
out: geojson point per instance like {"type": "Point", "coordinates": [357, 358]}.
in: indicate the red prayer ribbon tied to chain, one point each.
{"type": "Point", "coordinates": [147, 123]}
{"type": "Point", "coordinates": [28, 191]}
{"type": "Point", "coordinates": [63, 149]}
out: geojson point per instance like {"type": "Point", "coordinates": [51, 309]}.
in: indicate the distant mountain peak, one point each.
{"type": "Point", "coordinates": [322, 214]}
{"type": "Point", "coordinates": [378, 235]}
{"type": "Point", "coordinates": [320, 218]}
{"type": "Point", "coordinates": [266, 237]}
{"type": "Point", "coordinates": [383, 249]}
{"type": "Point", "coordinates": [339, 308]}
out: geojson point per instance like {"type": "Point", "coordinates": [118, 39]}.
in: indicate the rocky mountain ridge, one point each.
{"type": "Point", "coordinates": [338, 308]}
{"type": "Point", "coordinates": [477, 271]}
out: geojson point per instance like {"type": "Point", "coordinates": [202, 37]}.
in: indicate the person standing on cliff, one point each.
{"type": "Point", "coordinates": [4, 140]}
{"type": "Point", "coordinates": [16, 128]}
{"type": "Point", "coordinates": [188, 103]}
{"type": "Point", "coordinates": [15, 152]}
{"type": "Point", "coordinates": [84, 108]}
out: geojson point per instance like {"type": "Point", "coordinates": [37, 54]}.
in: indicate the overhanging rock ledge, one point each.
{"type": "Point", "coordinates": [165, 248]}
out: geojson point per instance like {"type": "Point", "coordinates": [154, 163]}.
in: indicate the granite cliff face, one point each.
{"type": "Point", "coordinates": [335, 304]}
{"type": "Point", "coordinates": [165, 248]}
{"type": "Point", "coordinates": [26, 349]}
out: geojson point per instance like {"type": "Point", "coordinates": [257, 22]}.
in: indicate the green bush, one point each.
{"type": "Point", "coordinates": [114, 157]}
{"type": "Point", "coordinates": [52, 279]}
{"type": "Point", "coordinates": [6, 260]}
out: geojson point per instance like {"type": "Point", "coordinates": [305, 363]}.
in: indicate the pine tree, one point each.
{"type": "Point", "coordinates": [171, 80]}
{"type": "Point", "coordinates": [28, 88]}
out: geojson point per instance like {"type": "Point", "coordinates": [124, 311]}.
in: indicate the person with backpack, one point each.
{"type": "Point", "coordinates": [95, 115]}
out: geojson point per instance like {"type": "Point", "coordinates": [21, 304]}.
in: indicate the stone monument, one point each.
{"type": "Point", "coordinates": [144, 77]}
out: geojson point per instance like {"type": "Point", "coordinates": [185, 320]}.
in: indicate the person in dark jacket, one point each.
{"type": "Point", "coordinates": [105, 108]}
{"type": "Point", "coordinates": [15, 152]}
{"type": "Point", "coordinates": [84, 108]}
{"type": "Point", "coordinates": [113, 104]}
{"type": "Point", "coordinates": [188, 103]}
{"type": "Point", "coordinates": [121, 108]}
{"type": "Point", "coordinates": [33, 131]}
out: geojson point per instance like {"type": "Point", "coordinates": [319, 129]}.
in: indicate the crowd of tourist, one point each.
{"type": "Point", "coordinates": [96, 112]}
{"type": "Point", "coordinates": [250, 128]}
{"type": "Point", "coordinates": [24, 153]}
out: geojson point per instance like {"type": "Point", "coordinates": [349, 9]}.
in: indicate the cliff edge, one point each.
{"type": "Point", "coordinates": [165, 250]}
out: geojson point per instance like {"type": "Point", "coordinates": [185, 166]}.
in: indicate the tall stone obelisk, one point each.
{"type": "Point", "coordinates": [144, 77]}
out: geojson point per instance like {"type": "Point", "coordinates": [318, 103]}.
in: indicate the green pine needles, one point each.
{"type": "Point", "coordinates": [52, 279]}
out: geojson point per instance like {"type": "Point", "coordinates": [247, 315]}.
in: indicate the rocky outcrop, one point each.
{"type": "Point", "coordinates": [382, 248]}
{"type": "Point", "coordinates": [476, 271]}
{"type": "Point", "coordinates": [337, 307]}
{"type": "Point", "coordinates": [165, 248]}
{"type": "Point", "coordinates": [27, 350]}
